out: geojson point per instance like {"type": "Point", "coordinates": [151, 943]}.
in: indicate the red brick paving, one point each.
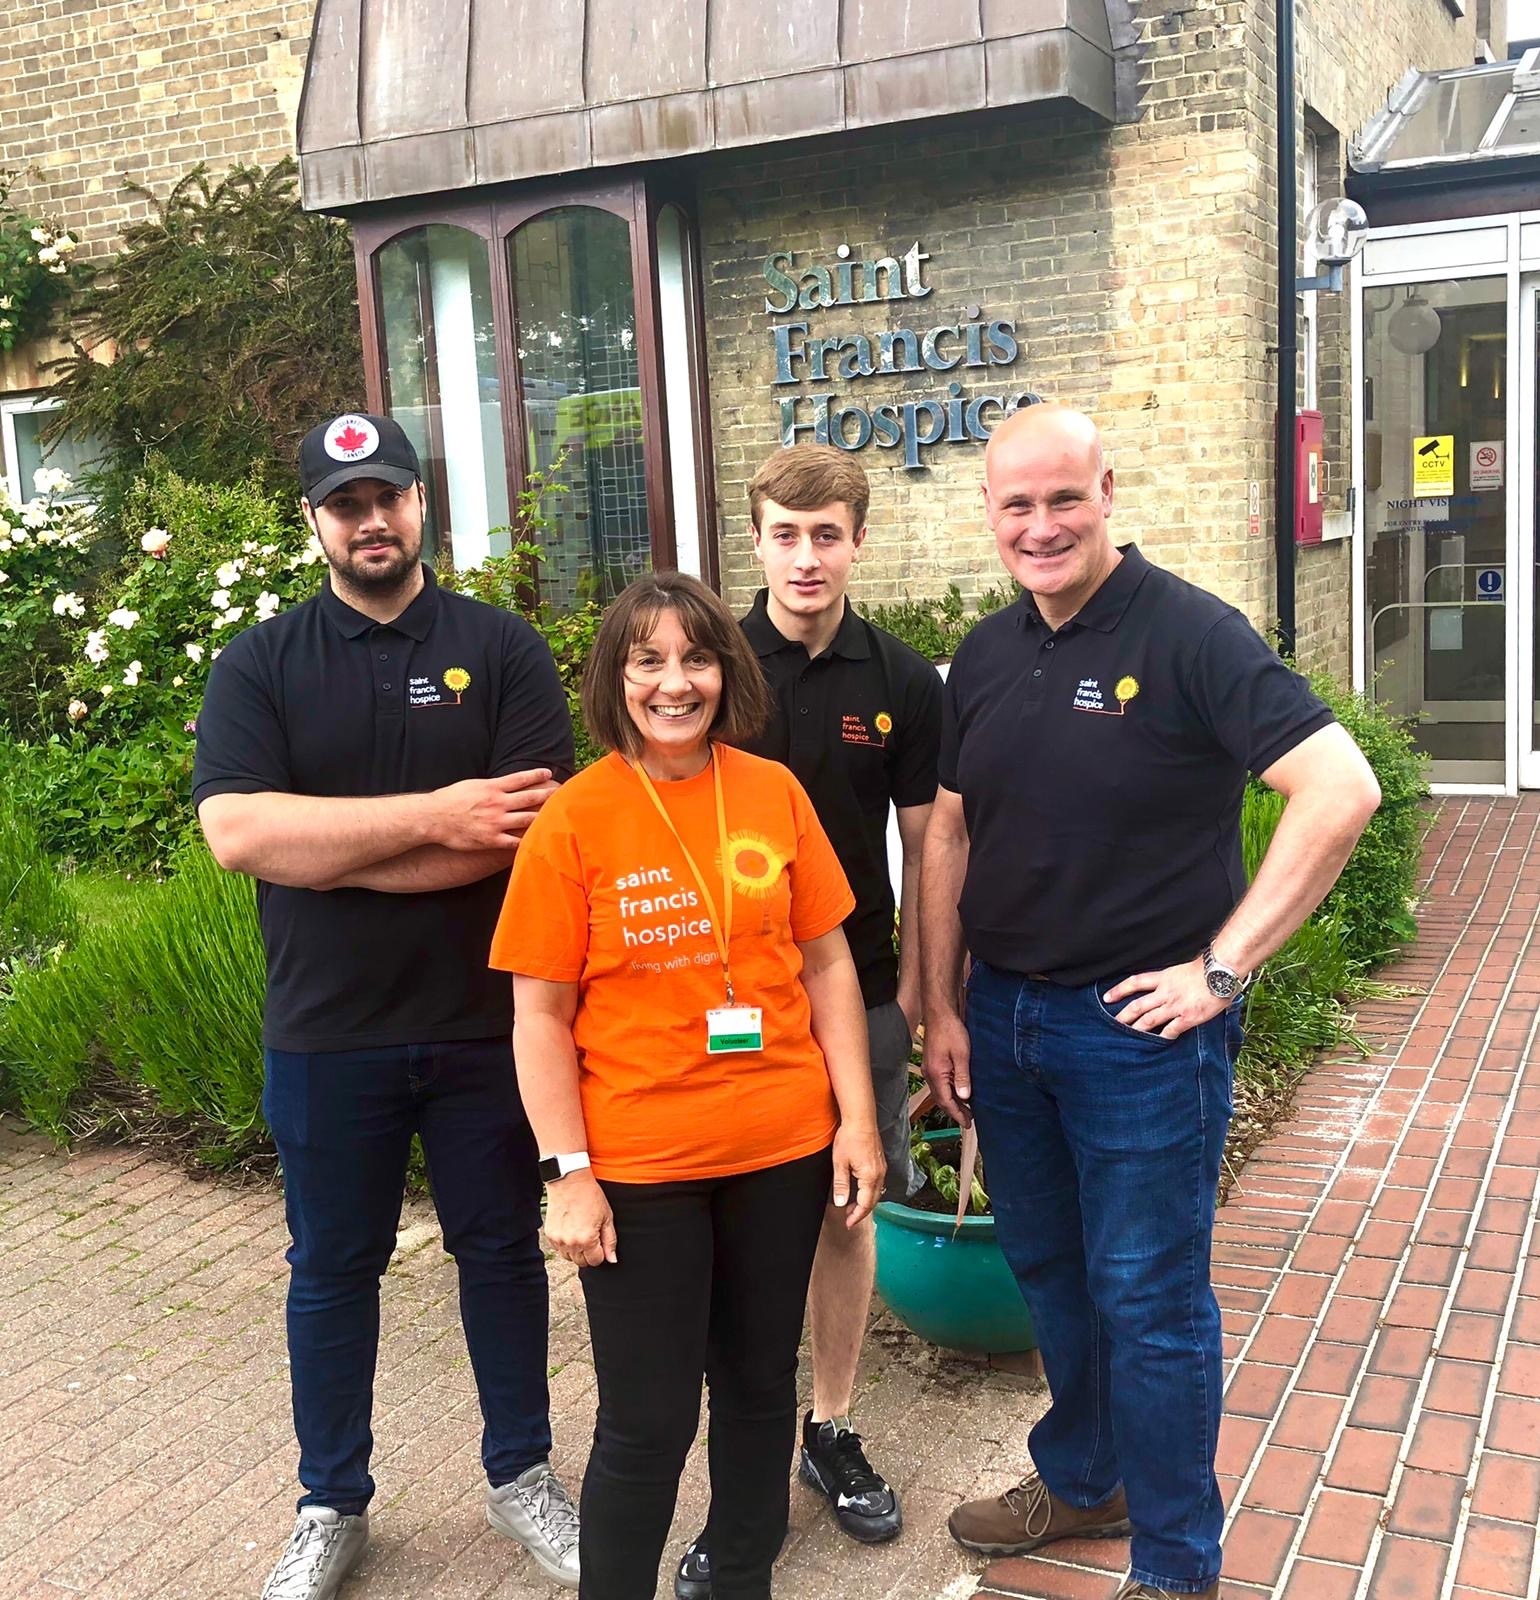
{"type": "Point", "coordinates": [145, 1443]}
{"type": "Point", "coordinates": [1380, 1275]}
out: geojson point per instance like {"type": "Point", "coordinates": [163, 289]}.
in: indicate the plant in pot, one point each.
{"type": "Point", "coordinates": [940, 1269]}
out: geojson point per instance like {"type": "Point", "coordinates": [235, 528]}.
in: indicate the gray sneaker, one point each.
{"type": "Point", "coordinates": [538, 1512]}
{"type": "Point", "coordinates": [323, 1549]}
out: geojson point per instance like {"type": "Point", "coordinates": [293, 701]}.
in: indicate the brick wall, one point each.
{"type": "Point", "coordinates": [93, 92]}
{"type": "Point", "coordinates": [1138, 264]}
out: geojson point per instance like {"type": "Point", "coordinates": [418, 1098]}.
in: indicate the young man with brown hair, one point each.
{"type": "Point", "coordinates": [857, 719]}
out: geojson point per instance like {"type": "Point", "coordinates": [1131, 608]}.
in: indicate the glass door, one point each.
{"type": "Point", "coordinates": [1438, 575]}
{"type": "Point", "coordinates": [1527, 554]}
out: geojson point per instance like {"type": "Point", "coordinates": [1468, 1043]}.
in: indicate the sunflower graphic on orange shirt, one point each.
{"type": "Point", "coordinates": [753, 864]}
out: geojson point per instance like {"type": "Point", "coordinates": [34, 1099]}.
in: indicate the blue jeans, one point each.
{"type": "Point", "coordinates": [1102, 1151]}
{"type": "Point", "coordinates": [343, 1122]}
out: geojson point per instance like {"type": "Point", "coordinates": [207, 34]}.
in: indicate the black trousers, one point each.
{"type": "Point", "coordinates": [711, 1280]}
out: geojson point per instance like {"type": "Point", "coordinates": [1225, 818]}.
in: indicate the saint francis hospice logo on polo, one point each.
{"type": "Point", "coordinates": [422, 690]}
{"type": "Point", "coordinates": [1089, 696]}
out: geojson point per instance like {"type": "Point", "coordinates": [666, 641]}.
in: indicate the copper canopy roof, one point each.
{"type": "Point", "coordinates": [410, 97]}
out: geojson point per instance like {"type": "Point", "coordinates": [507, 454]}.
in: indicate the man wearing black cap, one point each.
{"type": "Point", "coordinates": [372, 758]}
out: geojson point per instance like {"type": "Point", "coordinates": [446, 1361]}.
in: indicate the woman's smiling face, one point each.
{"type": "Point", "coordinates": [673, 690]}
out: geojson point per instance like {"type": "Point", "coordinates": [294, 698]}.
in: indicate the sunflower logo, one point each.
{"type": "Point", "coordinates": [1126, 689]}
{"type": "Point", "coordinates": [457, 680]}
{"type": "Point", "coordinates": [884, 723]}
{"type": "Point", "coordinates": [753, 864]}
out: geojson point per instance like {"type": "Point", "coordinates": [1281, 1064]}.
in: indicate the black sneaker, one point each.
{"type": "Point", "coordinates": [693, 1579]}
{"type": "Point", "coordinates": [834, 1463]}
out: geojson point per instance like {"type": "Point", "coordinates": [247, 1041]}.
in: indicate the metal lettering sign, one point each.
{"type": "Point", "coordinates": [907, 424]}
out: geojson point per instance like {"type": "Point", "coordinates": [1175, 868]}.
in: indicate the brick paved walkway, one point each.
{"type": "Point", "coordinates": [1379, 1269]}
{"type": "Point", "coordinates": [145, 1447]}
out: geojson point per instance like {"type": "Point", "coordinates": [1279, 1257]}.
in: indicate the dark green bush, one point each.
{"type": "Point", "coordinates": [1372, 902]}
{"type": "Point", "coordinates": [233, 313]}
{"type": "Point", "coordinates": [936, 627]}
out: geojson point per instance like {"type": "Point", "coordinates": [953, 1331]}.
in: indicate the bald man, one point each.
{"type": "Point", "coordinates": [1084, 851]}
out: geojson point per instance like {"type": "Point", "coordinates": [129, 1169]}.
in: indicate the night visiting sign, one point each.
{"type": "Point", "coordinates": [950, 416]}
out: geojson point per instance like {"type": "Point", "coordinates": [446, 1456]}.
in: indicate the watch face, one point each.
{"type": "Point", "coordinates": [1221, 984]}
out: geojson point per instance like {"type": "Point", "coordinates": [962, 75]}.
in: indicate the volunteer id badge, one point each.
{"type": "Point", "coordinates": [730, 1028]}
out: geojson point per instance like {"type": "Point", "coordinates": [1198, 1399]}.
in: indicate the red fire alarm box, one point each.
{"type": "Point", "coordinates": [1309, 477]}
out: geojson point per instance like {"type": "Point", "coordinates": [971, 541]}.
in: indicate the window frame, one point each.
{"type": "Point", "coordinates": [495, 215]}
{"type": "Point", "coordinates": [27, 402]}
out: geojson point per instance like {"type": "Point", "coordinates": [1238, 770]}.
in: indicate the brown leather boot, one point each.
{"type": "Point", "coordinates": [1151, 1591]}
{"type": "Point", "coordinates": [1027, 1516]}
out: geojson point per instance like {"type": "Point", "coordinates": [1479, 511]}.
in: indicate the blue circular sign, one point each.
{"type": "Point", "coordinates": [1489, 580]}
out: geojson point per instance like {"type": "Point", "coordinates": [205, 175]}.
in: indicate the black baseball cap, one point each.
{"type": "Point", "coordinates": [355, 445]}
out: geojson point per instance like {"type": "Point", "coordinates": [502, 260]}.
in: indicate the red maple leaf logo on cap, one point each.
{"type": "Point", "coordinates": [351, 438]}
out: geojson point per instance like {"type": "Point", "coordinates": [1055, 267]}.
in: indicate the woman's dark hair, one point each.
{"type": "Point", "coordinates": [707, 623]}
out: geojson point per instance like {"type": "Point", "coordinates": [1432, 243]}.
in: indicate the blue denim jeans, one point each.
{"type": "Point", "coordinates": [1101, 1150]}
{"type": "Point", "coordinates": [343, 1122]}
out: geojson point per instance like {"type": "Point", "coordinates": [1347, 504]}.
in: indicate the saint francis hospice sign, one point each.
{"type": "Point", "coordinates": [909, 423]}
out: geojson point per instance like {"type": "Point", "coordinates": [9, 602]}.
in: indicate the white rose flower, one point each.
{"type": "Point", "coordinates": [178, 681]}
{"type": "Point", "coordinates": [220, 599]}
{"type": "Point", "coordinates": [96, 646]}
{"type": "Point", "coordinates": [234, 614]}
{"type": "Point", "coordinates": [5, 302]}
{"type": "Point", "coordinates": [194, 652]}
{"type": "Point", "coordinates": [68, 604]}
{"type": "Point", "coordinates": [229, 574]}
{"type": "Point", "coordinates": [35, 514]}
{"type": "Point", "coordinates": [247, 548]}
{"type": "Point", "coordinates": [267, 605]}
{"type": "Point", "coordinates": [215, 655]}
{"type": "Point", "coordinates": [50, 480]}
{"type": "Point", "coordinates": [122, 617]}
{"type": "Point", "coordinates": [58, 269]}
{"type": "Point", "coordinates": [78, 709]}
{"type": "Point", "coordinates": [313, 551]}
{"type": "Point", "coordinates": [106, 690]}
{"type": "Point", "coordinates": [65, 245]}
{"type": "Point", "coordinates": [40, 236]}
{"type": "Point", "coordinates": [131, 676]}
{"type": "Point", "coordinates": [48, 254]}
{"type": "Point", "coordinates": [19, 535]}
{"type": "Point", "coordinates": [5, 577]}
{"type": "Point", "coordinates": [154, 541]}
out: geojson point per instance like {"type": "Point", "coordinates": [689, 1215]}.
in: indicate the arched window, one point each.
{"type": "Point", "coordinates": [548, 338]}
{"type": "Point", "coordinates": [580, 380]}
{"type": "Point", "coordinates": [442, 385]}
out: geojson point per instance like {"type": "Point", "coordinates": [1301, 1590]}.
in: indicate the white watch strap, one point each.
{"type": "Point", "coordinates": [574, 1162]}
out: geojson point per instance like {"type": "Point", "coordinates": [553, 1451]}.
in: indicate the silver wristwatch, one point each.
{"type": "Point", "coordinates": [1224, 983]}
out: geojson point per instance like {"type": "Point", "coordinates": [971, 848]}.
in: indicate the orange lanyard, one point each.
{"type": "Point", "coordinates": [721, 926]}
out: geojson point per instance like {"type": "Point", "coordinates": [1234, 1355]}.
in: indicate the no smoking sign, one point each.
{"type": "Point", "coordinates": [1486, 464]}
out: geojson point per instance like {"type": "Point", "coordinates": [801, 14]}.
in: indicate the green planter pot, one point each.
{"type": "Point", "coordinates": [950, 1285]}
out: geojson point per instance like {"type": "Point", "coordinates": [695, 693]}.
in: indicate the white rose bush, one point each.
{"type": "Point", "coordinates": [107, 636]}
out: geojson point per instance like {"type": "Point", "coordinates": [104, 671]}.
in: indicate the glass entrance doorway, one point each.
{"type": "Point", "coordinates": [1441, 567]}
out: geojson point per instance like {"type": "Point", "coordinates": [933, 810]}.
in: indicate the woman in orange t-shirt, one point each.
{"type": "Point", "coordinates": [691, 1051]}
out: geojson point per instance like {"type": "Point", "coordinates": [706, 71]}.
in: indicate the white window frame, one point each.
{"type": "Point", "coordinates": [11, 407]}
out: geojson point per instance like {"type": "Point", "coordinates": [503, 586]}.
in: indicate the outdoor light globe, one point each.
{"type": "Point", "coordinates": [1337, 230]}
{"type": "Point", "coordinates": [1415, 327]}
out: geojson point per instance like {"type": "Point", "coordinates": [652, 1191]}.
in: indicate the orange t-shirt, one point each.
{"type": "Point", "coordinates": [601, 895]}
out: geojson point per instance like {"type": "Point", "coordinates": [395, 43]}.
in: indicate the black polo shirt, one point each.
{"type": "Point", "coordinates": [323, 700]}
{"type": "Point", "coordinates": [1101, 768]}
{"type": "Point", "coordinates": [859, 726]}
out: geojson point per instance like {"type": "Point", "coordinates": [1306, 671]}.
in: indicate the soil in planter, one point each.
{"type": "Point", "coordinates": [928, 1198]}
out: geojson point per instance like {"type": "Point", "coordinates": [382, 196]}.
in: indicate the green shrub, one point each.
{"type": "Point", "coordinates": [36, 915]}
{"type": "Point", "coordinates": [233, 314]}
{"type": "Point", "coordinates": [1372, 902]}
{"type": "Point", "coordinates": [154, 1016]}
{"type": "Point", "coordinates": [184, 977]}
{"type": "Point", "coordinates": [935, 628]}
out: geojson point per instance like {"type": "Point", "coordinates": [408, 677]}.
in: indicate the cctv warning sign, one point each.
{"type": "Point", "coordinates": [1433, 465]}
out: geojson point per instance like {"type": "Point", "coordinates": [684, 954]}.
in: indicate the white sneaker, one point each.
{"type": "Point", "coordinates": [323, 1549]}
{"type": "Point", "coordinates": [538, 1512]}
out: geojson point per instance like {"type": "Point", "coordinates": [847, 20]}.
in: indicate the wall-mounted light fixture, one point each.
{"type": "Point", "coordinates": [1415, 327]}
{"type": "Point", "coordinates": [1337, 231]}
